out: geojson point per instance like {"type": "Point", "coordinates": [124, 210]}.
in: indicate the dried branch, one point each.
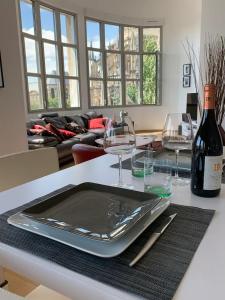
{"type": "Point", "coordinates": [214, 70]}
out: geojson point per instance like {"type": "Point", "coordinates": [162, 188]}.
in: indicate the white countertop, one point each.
{"type": "Point", "coordinates": [204, 279]}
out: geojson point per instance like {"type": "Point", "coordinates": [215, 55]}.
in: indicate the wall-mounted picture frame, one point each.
{"type": "Point", "coordinates": [186, 69]}
{"type": "Point", "coordinates": [186, 81]}
{"type": "Point", "coordinates": [1, 74]}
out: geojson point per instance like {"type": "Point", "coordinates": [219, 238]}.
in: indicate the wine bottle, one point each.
{"type": "Point", "coordinates": [207, 150]}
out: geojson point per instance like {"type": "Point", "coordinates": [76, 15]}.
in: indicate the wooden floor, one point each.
{"type": "Point", "coordinates": [17, 284]}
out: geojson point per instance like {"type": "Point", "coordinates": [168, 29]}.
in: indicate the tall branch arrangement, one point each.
{"type": "Point", "coordinates": [214, 71]}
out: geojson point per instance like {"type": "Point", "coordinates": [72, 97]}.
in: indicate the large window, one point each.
{"type": "Point", "coordinates": [51, 58]}
{"type": "Point", "coordinates": [124, 64]}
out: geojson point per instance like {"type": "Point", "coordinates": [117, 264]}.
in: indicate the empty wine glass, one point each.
{"type": "Point", "coordinates": [178, 135]}
{"type": "Point", "coordinates": [119, 140]}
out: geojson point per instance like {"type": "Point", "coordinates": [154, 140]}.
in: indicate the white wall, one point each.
{"type": "Point", "coordinates": [213, 17]}
{"type": "Point", "coordinates": [180, 20]}
{"type": "Point", "coordinates": [213, 23]}
{"type": "Point", "coordinates": [12, 109]}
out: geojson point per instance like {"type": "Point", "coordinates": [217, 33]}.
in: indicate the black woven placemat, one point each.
{"type": "Point", "coordinates": [156, 276]}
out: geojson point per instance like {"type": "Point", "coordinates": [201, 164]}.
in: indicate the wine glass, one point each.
{"type": "Point", "coordinates": [119, 139]}
{"type": "Point", "coordinates": [178, 135]}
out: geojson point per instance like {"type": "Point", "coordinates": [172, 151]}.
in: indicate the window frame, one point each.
{"type": "Point", "coordinates": [36, 5]}
{"type": "Point", "coordinates": [123, 52]}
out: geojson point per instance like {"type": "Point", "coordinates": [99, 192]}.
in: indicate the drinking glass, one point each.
{"type": "Point", "coordinates": [119, 140]}
{"type": "Point", "coordinates": [178, 135]}
{"type": "Point", "coordinates": [158, 177]}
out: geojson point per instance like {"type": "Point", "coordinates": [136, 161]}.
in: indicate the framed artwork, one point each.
{"type": "Point", "coordinates": [186, 81]}
{"type": "Point", "coordinates": [1, 74]}
{"type": "Point", "coordinates": [186, 69]}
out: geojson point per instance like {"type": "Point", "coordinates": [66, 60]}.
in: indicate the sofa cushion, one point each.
{"type": "Point", "coordinates": [55, 131]}
{"type": "Point", "coordinates": [39, 146]}
{"type": "Point", "coordinates": [93, 115]}
{"type": "Point", "coordinates": [87, 138]}
{"type": "Point", "coordinates": [96, 123]}
{"type": "Point", "coordinates": [65, 148]}
{"type": "Point", "coordinates": [50, 115]}
{"type": "Point", "coordinates": [58, 122]}
{"type": "Point", "coordinates": [74, 127]}
{"type": "Point", "coordinates": [42, 130]}
{"type": "Point", "coordinates": [42, 140]}
{"type": "Point", "coordinates": [33, 122]}
{"type": "Point", "coordinates": [67, 133]}
{"type": "Point", "coordinates": [99, 132]}
{"type": "Point", "coordinates": [77, 119]}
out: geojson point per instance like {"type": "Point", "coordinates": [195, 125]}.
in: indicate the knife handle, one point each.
{"type": "Point", "coordinates": [151, 241]}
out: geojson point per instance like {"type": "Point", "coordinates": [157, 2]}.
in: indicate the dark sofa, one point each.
{"type": "Point", "coordinates": [86, 136]}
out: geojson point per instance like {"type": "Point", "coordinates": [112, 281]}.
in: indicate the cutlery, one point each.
{"type": "Point", "coordinates": [153, 238]}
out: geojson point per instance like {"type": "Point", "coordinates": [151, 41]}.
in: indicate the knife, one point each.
{"type": "Point", "coordinates": [153, 238]}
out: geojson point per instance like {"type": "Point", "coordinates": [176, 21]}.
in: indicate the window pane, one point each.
{"type": "Point", "coordinates": [131, 39]}
{"type": "Point", "coordinates": [51, 59]}
{"type": "Point", "coordinates": [96, 93]}
{"type": "Point", "coordinates": [35, 93]}
{"type": "Point", "coordinates": [114, 93]}
{"type": "Point", "coordinates": [149, 79]}
{"type": "Point", "coordinates": [32, 57]}
{"type": "Point", "coordinates": [133, 93]}
{"type": "Point", "coordinates": [151, 39]}
{"type": "Point", "coordinates": [70, 61]}
{"type": "Point", "coordinates": [47, 23]}
{"type": "Point", "coordinates": [67, 29]}
{"type": "Point", "coordinates": [93, 34]}
{"type": "Point", "coordinates": [113, 65]}
{"type": "Point", "coordinates": [112, 37]}
{"type": "Point", "coordinates": [132, 66]}
{"type": "Point", "coordinates": [72, 93]}
{"type": "Point", "coordinates": [27, 17]}
{"type": "Point", "coordinates": [95, 64]}
{"type": "Point", "coordinates": [54, 93]}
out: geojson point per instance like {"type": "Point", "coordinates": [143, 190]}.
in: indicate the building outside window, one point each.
{"type": "Point", "coordinates": [51, 57]}
{"type": "Point", "coordinates": [124, 64]}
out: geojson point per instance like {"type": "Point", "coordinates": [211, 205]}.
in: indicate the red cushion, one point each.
{"type": "Point", "coordinates": [36, 126]}
{"type": "Point", "coordinates": [96, 123]}
{"type": "Point", "coordinates": [55, 131]}
{"type": "Point", "coordinates": [41, 131]}
{"type": "Point", "coordinates": [67, 133]}
{"type": "Point", "coordinates": [46, 130]}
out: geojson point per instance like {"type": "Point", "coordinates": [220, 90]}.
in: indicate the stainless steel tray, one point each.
{"type": "Point", "coordinates": [103, 226]}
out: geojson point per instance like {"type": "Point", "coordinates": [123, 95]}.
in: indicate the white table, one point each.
{"type": "Point", "coordinates": [204, 279]}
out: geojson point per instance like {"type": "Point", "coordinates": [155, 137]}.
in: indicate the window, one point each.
{"type": "Point", "coordinates": [51, 57]}
{"type": "Point", "coordinates": [124, 64]}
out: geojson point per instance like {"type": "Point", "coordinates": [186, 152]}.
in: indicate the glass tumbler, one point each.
{"type": "Point", "coordinates": [159, 181]}
{"type": "Point", "coordinates": [138, 160]}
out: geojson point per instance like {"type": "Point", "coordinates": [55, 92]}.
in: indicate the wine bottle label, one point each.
{"type": "Point", "coordinates": [209, 103]}
{"type": "Point", "coordinates": [213, 172]}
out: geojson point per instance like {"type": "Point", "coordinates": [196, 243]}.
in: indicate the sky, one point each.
{"type": "Point", "coordinates": [47, 22]}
